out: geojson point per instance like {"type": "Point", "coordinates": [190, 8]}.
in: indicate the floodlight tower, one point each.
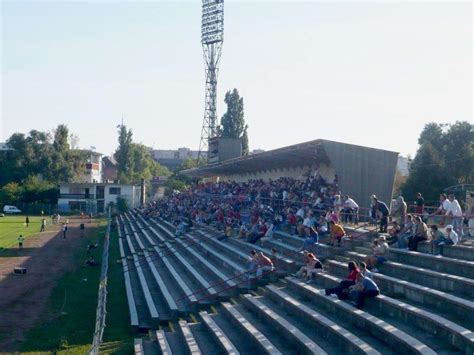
{"type": "Point", "coordinates": [212, 37]}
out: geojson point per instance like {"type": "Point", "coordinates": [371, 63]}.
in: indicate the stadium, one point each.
{"type": "Point", "coordinates": [318, 246]}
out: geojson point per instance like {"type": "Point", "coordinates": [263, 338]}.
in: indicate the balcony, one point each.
{"type": "Point", "coordinates": [78, 196]}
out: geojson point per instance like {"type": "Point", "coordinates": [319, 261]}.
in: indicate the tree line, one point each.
{"type": "Point", "coordinates": [445, 158]}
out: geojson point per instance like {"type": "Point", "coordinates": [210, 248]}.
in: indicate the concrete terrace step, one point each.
{"type": "Point", "coordinates": [146, 291]}
{"type": "Point", "coordinates": [189, 246]}
{"type": "Point", "coordinates": [351, 343]}
{"type": "Point", "coordinates": [163, 342]}
{"type": "Point", "coordinates": [443, 330]}
{"type": "Point", "coordinates": [128, 289]}
{"type": "Point", "coordinates": [223, 341]}
{"type": "Point", "coordinates": [170, 302]}
{"type": "Point", "coordinates": [188, 269]}
{"type": "Point", "coordinates": [189, 339]}
{"type": "Point", "coordinates": [436, 300]}
{"type": "Point", "coordinates": [451, 251]}
{"type": "Point", "coordinates": [438, 263]}
{"type": "Point", "coordinates": [224, 247]}
{"type": "Point", "coordinates": [302, 342]}
{"type": "Point", "coordinates": [260, 341]}
{"type": "Point", "coordinates": [425, 277]}
{"type": "Point", "coordinates": [138, 347]}
{"type": "Point", "coordinates": [382, 330]}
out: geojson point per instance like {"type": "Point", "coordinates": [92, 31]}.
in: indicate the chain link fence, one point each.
{"type": "Point", "coordinates": [102, 297]}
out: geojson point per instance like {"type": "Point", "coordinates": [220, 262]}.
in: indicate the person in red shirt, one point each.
{"type": "Point", "coordinates": [345, 284]}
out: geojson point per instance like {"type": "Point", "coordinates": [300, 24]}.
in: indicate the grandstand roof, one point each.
{"type": "Point", "coordinates": [297, 155]}
{"type": "Point", "coordinates": [302, 154]}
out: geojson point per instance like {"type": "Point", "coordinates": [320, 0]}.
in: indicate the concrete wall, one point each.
{"type": "Point", "coordinates": [363, 171]}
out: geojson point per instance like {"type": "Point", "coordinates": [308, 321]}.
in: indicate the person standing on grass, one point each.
{"type": "Point", "coordinates": [21, 240]}
{"type": "Point", "coordinates": [64, 229]}
{"type": "Point", "coordinates": [43, 224]}
{"type": "Point", "coordinates": [27, 221]}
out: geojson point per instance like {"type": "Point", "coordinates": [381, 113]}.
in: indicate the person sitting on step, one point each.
{"type": "Point", "coordinates": [264, 264]}
{"type": "Point", "coordinates": [379, 250]}
{"type": "Point", "coordinates": [364, 288]}
{"type": "Point", "coordinates": [313, 265]}
{"type": "Point", "coordinates": [350, 280]}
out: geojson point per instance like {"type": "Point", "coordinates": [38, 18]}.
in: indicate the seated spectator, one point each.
{"type": "Point", "coordinates": [312, 238]}
{"type": "Point", "coordinates": [268, 234]}
{"type": "Point", "coordinates": [255, 233]}
{"type": "Point", "coordinates": [312, 265]}
{"type": "Point", "coordinates": [379, 250]}
{"type": "Point", "coordinates": [264, 264]}
{"type": "Point", "coordinates": [181, 229]}
{"type": "Point", "coordinates": [452, 238]}
{"type": "Point", "coordinates": [365, 288]}
{"type": "Point", "coordinates": [274, 257]}
{"type": "Point", "coordinates": [393, 233]}
{"type": "Point", "coordinates": [253, 260]}
{"type": "Point", "coordinates": [437, 237]}
{"type": "Point", "coordinates": [421, 234]}
{"type": "Point", "coordinates": [364, 271]}
{"type": "Point", "coordinates": [91, 261]}
{"type": "Point", "coordinates": [406, 232]}
{"type": "Point", "coordinates": [337, 233]}
{"type": "Point", "coordinates": [243, 230]}
{"type": "Point", "coordinates": [227, 233]}
{"type": "Point", "coordinates": [340, 289]}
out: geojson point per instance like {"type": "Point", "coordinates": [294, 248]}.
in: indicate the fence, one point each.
{"type": "Point", "coordinates": [102, 295]}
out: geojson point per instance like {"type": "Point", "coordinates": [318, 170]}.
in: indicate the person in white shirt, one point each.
{"type": "Point", "coordinates": [300, 213]}
{"type": "Point", "coordinates": [350, 210]}
{"type": "Point", "coordinates": [455, 212]}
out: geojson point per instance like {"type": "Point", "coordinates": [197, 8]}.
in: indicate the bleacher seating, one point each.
{"type": "Point", "coordinates": [425, 306]}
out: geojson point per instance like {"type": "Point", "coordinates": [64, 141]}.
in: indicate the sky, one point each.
{"type": "Point", "coordinates": [367, 73]}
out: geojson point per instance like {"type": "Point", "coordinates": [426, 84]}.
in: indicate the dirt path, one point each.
{"type": "Point", "coordinates": [47, 256]}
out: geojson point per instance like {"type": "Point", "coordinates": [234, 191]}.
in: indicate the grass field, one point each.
{"type": "Point", "coordinates": [12, 226]}
{"type": "Point", "coordinates": [74, 302]}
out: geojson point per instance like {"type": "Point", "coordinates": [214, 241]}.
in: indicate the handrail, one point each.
{"type": "Point", "coordinates": [231, 287]}
{"type": "Point", "coordinates": [245, 272]}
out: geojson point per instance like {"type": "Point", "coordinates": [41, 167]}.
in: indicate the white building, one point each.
{"type": "Point", "coordinates": [93, 171]}
{"type": "Point", "coordinates": [95, 197]}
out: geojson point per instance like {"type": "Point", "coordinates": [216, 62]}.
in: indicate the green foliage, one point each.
{"type": "Point", "coordinates": [233, 121]}
{"type": "Point", "coordinates": [122, 205]}
{"type": "Point", "coordinates": [37, 163]}
{"type": "Point", "coordinates": [174, 184]}
{"type": "Point", "coordinates": [134, 160]}
{"type": "Point", "coordinates": [123, 154]}
{"type": "Point", "coordinates": [10, 193]}
{"type": "Point", "coordinates": [445, 158]}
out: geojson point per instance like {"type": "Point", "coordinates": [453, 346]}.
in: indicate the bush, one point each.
{"type": "Point", "coordinates": [122, 205]}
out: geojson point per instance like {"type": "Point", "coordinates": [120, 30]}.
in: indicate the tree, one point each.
{"type": "Point", "coordinates": [10, 193]}
{"type": "Point", "coordinates": [459, 151]}
{"type": "Point", "coordinates": [233, 121]}
{"type": "Point", "coordinates": [123, 154]}
{"type": "Point", "coordinates": [444, 158]}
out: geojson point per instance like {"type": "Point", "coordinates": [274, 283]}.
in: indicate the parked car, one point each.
{"type": "Point", "coordinates": [11, 209]}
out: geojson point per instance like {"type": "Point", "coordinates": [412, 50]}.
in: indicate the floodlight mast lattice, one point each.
{"type": "Point", "coordinates": [212, 37]}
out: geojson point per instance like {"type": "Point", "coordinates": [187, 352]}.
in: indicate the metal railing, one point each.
{"type": "Point", "coordinates": [101, 311]}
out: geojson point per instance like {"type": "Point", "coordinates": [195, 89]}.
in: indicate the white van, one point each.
{"type": "Point", "coordinates": [11, 209]}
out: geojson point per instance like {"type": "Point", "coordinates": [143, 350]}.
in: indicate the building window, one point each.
{"type": "Point", "coordinates": [114, 190]}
